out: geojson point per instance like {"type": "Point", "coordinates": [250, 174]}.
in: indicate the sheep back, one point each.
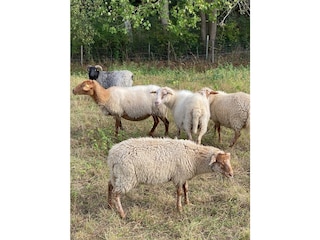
{"type": "Point", "coordinates": [155, 160]}
{"type": "Point", "coordinates": [196, 112]}
{"type": "Point", "coordinates": [122, 78]}
{"type": "Point", "coordinates": [134, 102]}
{"type": "Point", "coordinates": [232, 110]}
{"type": "Point", "coordinates": [176, 102]}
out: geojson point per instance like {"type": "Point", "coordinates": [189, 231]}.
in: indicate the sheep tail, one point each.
{"type": "Point", "coordinates": [195, 121]}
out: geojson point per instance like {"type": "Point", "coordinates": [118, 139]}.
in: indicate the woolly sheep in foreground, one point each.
{"type": "Point", "coordinates": [131, 103]}
{"type": "Point", "coordinates": [231, 110]}
{"type": "Point", "coordinates": [190, 110]}
{"type": "Point", "coordinates": [160, 160]}
{"type": "Point", "coordinates": [121, 78]}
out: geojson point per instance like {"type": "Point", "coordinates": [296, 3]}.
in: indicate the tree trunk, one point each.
{"type": "Point", "coordinates": [212, 34]}
{"type": "Point", "coordinates": [127, 25]}
{"type": "Point", "coordinates": [203, 27]}
{"type": "Point", "coordinates": [164, 15]}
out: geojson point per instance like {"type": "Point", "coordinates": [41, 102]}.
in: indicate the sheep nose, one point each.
{"type": "Point", "coordinates": [157, 103]}
{"type": "Point", "coordinates": [230, 175]}
{"type": "Point", "coordinates": [73, 91]}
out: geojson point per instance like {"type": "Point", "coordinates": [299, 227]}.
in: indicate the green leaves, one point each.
{"type": "Point", "coordinates": [92, 22]}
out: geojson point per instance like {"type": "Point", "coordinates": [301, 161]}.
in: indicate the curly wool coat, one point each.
{"type": "Point", "coordinates": [157, 160]}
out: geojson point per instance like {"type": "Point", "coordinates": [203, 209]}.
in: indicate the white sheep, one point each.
{"type": "Point", "coordinates": [231, 110]}
{"type": "Point", "coordinates": [122, 78]}
{"type": "Point", "coordinates": [190, 110]}
{"type": "Point", "coordinates": [159, 160]}
{"type": "Point", "coordinates": [131, 103]}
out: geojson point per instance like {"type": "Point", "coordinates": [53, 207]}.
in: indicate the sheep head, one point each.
{"type": "Point", "coordinates": [84, 88]}
{"type": "Point", "coordinates": [93, 71]}
{"type": "Point", "coordinates": [207, 91]}
{"type": "Point", "coordinates": [162, 94]}
{"type": "Point", "coordinates": [221, 163]}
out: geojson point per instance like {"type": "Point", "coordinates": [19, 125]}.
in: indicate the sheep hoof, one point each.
{"type": "Point", "coordinates": [122, 215]}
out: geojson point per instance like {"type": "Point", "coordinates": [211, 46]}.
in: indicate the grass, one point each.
{"type": "Point", "coordinates": [219, 209]}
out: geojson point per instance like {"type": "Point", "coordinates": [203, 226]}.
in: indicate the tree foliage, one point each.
{"type": "Point", "coordinates": [121, 25]}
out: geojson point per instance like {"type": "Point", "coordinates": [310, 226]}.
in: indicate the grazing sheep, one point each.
{"type": "Point", "coordinates": [190, 110]}
{"type": "Point", "coordinates": [231, 110]}
{"type": "Point", "coordinates": [131, 103]}
{"type": "Point", "coordinates": [159, 160]}
{"type": "Point", "coordinates": [121, 78]}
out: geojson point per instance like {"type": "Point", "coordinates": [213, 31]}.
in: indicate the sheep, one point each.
{"type": "Point", "coordinates": [122, 78]}
{"type": "Point", "coordinates": [231, 110]}
{"type": "Point", "coordinates": [190, 110]}
{"type": "Point", "coordinates": [131, 103]}
{"type": "Point", "coordinates": [159, 160]}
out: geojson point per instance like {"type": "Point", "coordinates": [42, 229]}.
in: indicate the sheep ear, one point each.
{"type": "Point", "coordinates": [87, 86]}
{"type": "Point", "coordinates": [222, 157]}
{"type": "Point", "coordinates": [168, 91]}
{"type": "Point", "coordinates": [213, 159]}
{"type": "Point", "coordinates": [213, 92]}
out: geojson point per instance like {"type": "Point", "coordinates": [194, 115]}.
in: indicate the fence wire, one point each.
{"type": "Point", "coordinates": [149, 53]}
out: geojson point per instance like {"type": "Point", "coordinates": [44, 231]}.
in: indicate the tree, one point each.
{"type": "Point", "coordinates": [114, 23]}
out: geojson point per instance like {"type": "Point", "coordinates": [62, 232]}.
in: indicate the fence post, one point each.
{"type": "Point", "coordinates": [207, 47]}
{"type": "Point", "coordinates": [81, 55]}
{"type": "Point", "coordinates": [212, 51]}
{"type": "Point", "coordinates": [168, 52]}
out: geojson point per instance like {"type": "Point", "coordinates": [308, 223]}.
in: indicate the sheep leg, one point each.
{"type": "Point", "coordinates": [179, 196]}
{"type": "Point", "coordinates": [117, 125]}
{"type": "Point", "coordinates": [117, 202]}
{"type": "Point", "coordinates": [236, 136]}
{"type": "Point", "coordinates": [120, 125]}
{"type": "Point", "coordinates": [166, 124]}
{"type": "Point", "coordinates": [186, 190]}
{"type": "Point", "coordinates": [201, 133]}
{"type": "Point", "coordinates": [217, 127]}
{"type": "Point", "coordinates": [155, 124]}
{"type": "Point", "coordinates": [110, 188]}
{"type": "Point", "coordinates": [189, 135]}
{"type": "Point", "coordinates": [199, 138]}
{"type": "Point", "coordinates": [178, 133]}
{"type": "Point", "coordinates": [203, 130]}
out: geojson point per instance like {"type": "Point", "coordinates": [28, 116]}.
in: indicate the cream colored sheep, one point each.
{"type": "Point", "coordinates": [190, 110]}
{"type": "Point", "coordinates": [159, 160]}
{"type": "Point", "coordinates": [131, 103]}
{"type": "Point", "coordinates": [231, 110]}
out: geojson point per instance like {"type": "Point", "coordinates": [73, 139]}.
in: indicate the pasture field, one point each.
{"type": "Point", "coordinates": [219, 208]}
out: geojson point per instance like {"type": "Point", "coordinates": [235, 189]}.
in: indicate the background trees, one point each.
{"type": "Point", "coordinates": [160, 29]}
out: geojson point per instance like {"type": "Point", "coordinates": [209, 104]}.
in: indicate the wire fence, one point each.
{"type": "Point", "coordinates": [150, 53]}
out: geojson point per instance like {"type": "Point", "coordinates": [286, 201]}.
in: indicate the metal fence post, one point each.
{"type": "Point", "coordinates": [207, 47]}
{"type": "Point", "coordinates": [81, 55]}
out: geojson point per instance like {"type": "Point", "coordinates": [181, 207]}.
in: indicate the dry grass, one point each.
{"type": "Point", "coordinates": [219, 209]}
